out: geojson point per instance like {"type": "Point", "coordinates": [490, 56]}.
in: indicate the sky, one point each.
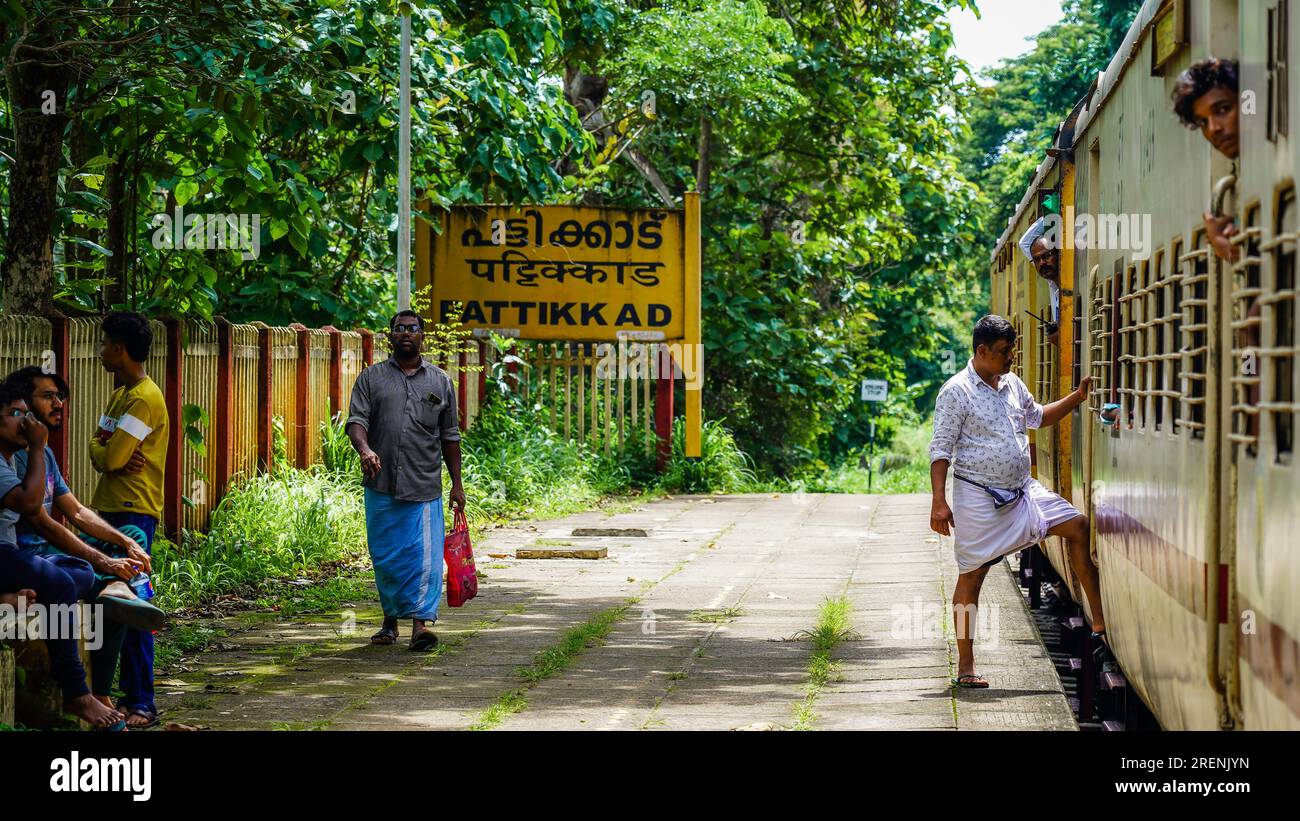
{"type": "Point", "coordinates": [1001, 30]}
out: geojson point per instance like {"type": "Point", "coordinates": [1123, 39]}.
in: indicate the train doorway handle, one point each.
{"type": "Point", "coordinates": [1221, 189]}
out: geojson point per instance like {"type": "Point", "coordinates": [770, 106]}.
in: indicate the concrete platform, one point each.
{"type": "Point", "coordinates": [714, 606]}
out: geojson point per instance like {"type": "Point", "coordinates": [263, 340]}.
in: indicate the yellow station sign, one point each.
{"type": "Point", "coordinates": [570, 274]}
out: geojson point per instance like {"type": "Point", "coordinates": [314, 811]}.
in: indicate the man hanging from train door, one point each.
{"type": "Point", "coordinates": [1045, 256]}
{"type": "Point", "coordinates": [981, 419]}
{"type": "Point", "coordinates": [1205, 98]}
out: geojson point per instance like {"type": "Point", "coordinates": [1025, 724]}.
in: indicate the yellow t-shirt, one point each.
{"type": "Point", "coordinates": [136, 419]}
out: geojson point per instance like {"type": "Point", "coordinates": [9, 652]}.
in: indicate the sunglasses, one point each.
{"type": "Point", "coordinates": [409, 329]}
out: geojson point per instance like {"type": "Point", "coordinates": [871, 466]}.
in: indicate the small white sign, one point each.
{"type": "Point", "coordinates": [874, 390]}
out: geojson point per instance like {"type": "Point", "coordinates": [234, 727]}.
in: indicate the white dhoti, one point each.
{"type": "Point", "coordinates": [982, 534]}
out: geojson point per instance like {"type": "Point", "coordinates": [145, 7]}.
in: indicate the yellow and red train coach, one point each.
{"type": "Point", "coordinates": [1194, 494]}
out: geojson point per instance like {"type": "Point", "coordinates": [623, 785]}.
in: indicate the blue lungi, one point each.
{"type": "Point", "coordinates": [405, 541]}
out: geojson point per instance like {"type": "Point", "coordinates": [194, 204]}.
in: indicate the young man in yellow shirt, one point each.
{"type": "Point", "coordinates": [129, 450]}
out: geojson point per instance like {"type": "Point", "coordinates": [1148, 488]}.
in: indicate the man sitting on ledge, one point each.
{"type": "Point", "coordinates": [50, 583]}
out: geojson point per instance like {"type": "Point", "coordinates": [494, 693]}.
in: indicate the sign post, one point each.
{"type": "Point", "coordinates": [873, 391]}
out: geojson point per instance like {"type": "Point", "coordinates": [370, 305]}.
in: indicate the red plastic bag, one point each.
{"type": "Point", "coordinates": [462, 578]}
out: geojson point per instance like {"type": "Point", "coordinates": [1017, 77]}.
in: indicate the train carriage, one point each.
{"type": "Point", "coordinates": [1193, 493]}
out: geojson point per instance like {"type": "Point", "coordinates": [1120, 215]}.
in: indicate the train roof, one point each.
{"type": "Point", "coordinates": [1085, 110]}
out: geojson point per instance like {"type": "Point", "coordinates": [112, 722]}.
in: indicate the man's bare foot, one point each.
{"type": "Point", "coordinates": [140, 719]}
{"type": "Point", "coordinates": [118, 590]}
{"type": "Point", "coordinates": [89, 709]}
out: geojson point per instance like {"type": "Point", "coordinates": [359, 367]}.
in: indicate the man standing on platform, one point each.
{"type": "Point", "coordinates": [129, 450]}
{"type": "Point", "coordinates": [402, 420]}
{"type": "Point", "coordinates": [981, 417]}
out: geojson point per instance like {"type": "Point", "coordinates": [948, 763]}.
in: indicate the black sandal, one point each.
{"type": "Point", "coordinates": [971, 680]}
{"type": "Point", "coordinates": [386, 635]}
{"type": "Point", "coordinates": [424, 640]}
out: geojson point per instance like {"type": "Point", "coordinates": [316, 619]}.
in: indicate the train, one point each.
{"type": "Point", "coordinates": [1193, 492]}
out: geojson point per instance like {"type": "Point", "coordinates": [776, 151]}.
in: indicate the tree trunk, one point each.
{"type": "Point", "coordinates": [28, 271]}
{"type": "Point", "coordinates": [703, 168]}
{"type": "Point", "coordinates": [115, 238]}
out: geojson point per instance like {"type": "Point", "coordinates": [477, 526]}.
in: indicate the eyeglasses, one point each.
{"type": "Point", "coordinates": [59, 395]}
{"type": "Point", "coordinates": [408, 329]}
{"type": "Point", "coordinates": [1041, 258]}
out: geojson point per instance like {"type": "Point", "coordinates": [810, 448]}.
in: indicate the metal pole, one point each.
{"type": "Point", "coordinates": [404, 170]}
{"type": "Point", "coordinates": [871, 451]}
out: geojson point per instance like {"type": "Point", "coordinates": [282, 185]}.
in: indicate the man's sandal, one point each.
{"type": "Point", "coordinates": [386, 635]}
{"type": "Point", "coordinates": [424, 640]}
{"type": "Point", "coordinates": [971, 680]}
{"type": "Point", "coordinates": [150, 718]}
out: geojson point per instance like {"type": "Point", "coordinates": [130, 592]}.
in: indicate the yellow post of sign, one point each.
{"type": "Point", "coordinates": [694, 331]}
{"type": "Point", "coordinates": [573, 274]}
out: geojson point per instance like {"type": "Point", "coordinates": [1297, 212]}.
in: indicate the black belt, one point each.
{"type": "Point", "coordinates": [1001, 498]}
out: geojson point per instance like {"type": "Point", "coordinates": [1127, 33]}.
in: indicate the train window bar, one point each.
{"type": "Point", "coordinates": [1278, 241]}
{"type": "Point", "coordinates": [1285, 295]}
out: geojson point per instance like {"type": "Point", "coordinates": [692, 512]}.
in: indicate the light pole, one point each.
{"type": "Point", "coordinates": [404, 169]}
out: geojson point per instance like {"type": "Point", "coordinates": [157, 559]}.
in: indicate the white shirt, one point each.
{"type": "Point", "coordinates": [982, 431]}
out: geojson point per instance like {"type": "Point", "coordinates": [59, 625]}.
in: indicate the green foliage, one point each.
{"type": "Point", "coordinates": [1012, 121]}
{"type": "Point", "coordinates": [721, 466]}
{"type": "Point", "coordinates": [284, 109]}
{"type": "Point", "coordinates": [903, 466]}
{"type": "Point", "coordinates": [338, 457]}
{"type": "Point", "coordinates": [272, 526]}
{"type": "Point", "coordinates": [834, 209]}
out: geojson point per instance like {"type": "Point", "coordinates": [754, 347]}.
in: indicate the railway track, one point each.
{"type": "Point", "coordinates": [1094, 684]}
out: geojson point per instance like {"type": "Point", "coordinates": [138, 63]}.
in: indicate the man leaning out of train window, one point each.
{"type": "Point", "coordinates": [1205, 98]}
{"type": "Point", "coordinates": [1045, 256]}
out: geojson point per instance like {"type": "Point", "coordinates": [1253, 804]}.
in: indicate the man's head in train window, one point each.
{"type": "Point", "coordinates": [1205, 97]}
{"type": "Point", "coordinates": [1046, 259]}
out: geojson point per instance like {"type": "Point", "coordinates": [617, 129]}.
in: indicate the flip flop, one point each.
{"type": "Point", "coordinates": [385, 636]}
{"type": "Point", "coordinates": [971, 680]}
{"type": "Point", "coordinates": [135, 613]}
{"type": "Point", "coordinates": [424, 640]}
{"type": "Point", "coordinates": [151, 717]}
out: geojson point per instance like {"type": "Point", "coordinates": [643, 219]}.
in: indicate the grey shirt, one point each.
{"type": "Point", "coordinates": [407, 418]}
{"type": "Point", "coordinates": [9, 480]}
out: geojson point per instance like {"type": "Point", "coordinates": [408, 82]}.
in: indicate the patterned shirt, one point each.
{"type": "Point", "coordinates": [407, 418]}
{"type": "Point", "coordinates": [982, 431]}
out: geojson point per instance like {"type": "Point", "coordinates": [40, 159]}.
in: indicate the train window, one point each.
{"type": "Point", "coordinates": [1130, 320]}
{"type": "Point", "coordinates": [1277, 68]}
{"type": "Point", "coordinates": [1279, 357]}
{"type": "Point", "coordinates": [1156, 343]}
{"type": "Point", "coordinates": [1113, 288]}
{"type": "Point", "coordinates": [1017, 358]}
{"type": "Point", "coordinates": [1099, 328]}
{"type": "Point", "coordinates": [1144, 324]}
{"type": "Point", "coordinates": [1174, 361]}
{"type": "Point", "coordinates": [1195, 335]}
{"type": "Point", "coordinates": [1044, 389]}
{"type": "Point", "coordinates": [1246, 320]}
